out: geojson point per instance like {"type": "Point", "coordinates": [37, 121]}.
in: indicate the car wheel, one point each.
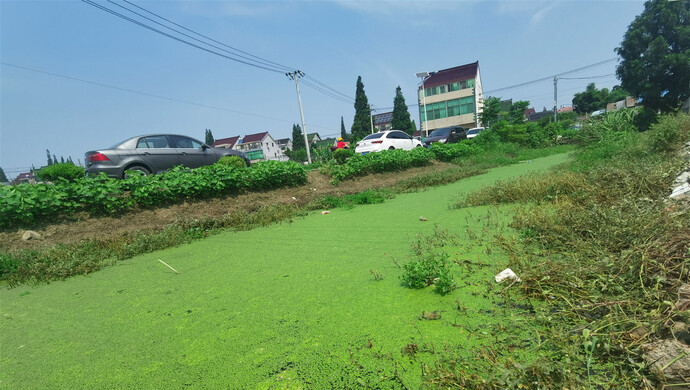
{"type": "Point", "coordinates": [137, 168]}
{"type": "Point", "coordinates": [391, 148]}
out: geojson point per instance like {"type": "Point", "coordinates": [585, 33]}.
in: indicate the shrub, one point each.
{"type": "Point", "coordinates": [342, 155]}
{"type": "Point", "coordinates": [668, 134]}
{"type": "Point", "coordinates": [67, 171]}
{"type": "Point", "coordinates": [232, 161]}
{"type": "Point", "coordinates": [449, 152]}
{"type": "Point", "coordinates": [431, 264]}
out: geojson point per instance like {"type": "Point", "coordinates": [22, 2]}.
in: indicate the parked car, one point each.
{"type": "Point", "coordinates": [446, 135]}
{"type": "Point", "coordinates": [386, 140]}
{"type": "Point", "coordinates": [471, 133]}
{"type": "Point", "coordinates": [154, 153]}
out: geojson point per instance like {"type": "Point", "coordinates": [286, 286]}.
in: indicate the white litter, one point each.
{"type": "Point", "coordinates": [506, 274]}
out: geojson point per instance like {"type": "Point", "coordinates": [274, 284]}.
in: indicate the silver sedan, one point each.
{"type": "Point", "coordinates": [154, 153]}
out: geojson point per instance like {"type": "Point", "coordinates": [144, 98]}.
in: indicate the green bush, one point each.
{"type": "Point", "coordinates": [449, 152]}
{"type": "Point", "coordinates": [27, 204]}
{"type": "Point", "coordinates": [379, 162]}
{"type": "Point", "coordinates": [431, 265]}
{"type": "Point", "coordinates": [232, 161]}
{"type": "Point", "coordinates": [342, 155]}
{"type": "Point", "coordinates": [67, 171]}
{"type": "Point", "coordinates": [668, 134]}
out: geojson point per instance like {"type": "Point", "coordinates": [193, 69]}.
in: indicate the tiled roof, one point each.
{"type": "Point", "coordinates": [446, 76]}
{"type": "Point", "coordinates": [226, 141]}
{"type": "Point", "coordinates": [386, 117]}
{"type": "Point", "coordinates": [283, 141]}
{"type": "Point", "coordinates": [254, 137]}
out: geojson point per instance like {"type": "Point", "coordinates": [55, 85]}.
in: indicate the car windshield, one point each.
{"type": "Point", "coordinates": [372, 136]}
{"type": "Point", "coordinates": [440, 133]}
{"type": "Point", "coordinates": [473, 131]}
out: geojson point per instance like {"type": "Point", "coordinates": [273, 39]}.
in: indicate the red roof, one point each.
{"type": "Point", "coordinates": [254, 137]}
{"type": "Point", "coordinates": [446, 76]}
{"type": "Point", "coordinates": [226, 141]}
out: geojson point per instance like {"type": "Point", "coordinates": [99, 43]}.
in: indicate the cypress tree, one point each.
{"type": "Point", "coordinates": [343, 133]}
{"type": "Point", "coordinates": [297, 138]}
{"type": "Point", "coordinates": [361, 125]}
{"type": "Point", "coordinates": [50, 159]}
{"type": "Point", "coordinates": [401, 116]}
{"type": "Point", "coordinates": [209, 137]}
{"type": "Point", "coordinates": [3, 178]}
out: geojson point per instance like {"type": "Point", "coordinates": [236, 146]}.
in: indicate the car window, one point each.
{"type": "Point", "coordinates": [398, 135]}
{"type": "Point", "coordinates": [153, 142]}
{"type": "Point", "coordinates": [440, 133]}
{"type": "Point", "coordinates": [185, 142]}
{"type": "Point", "coordinates": [372, 136]}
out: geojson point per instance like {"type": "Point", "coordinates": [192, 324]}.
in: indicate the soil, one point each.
{"type": "Point", "coordinates": [84, 228]}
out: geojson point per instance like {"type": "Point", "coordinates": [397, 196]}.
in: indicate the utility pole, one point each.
{"type": "Point", "coordinates": [295, 76]}
{"type": "Point", "coordinates": [555, 99]}
{"type": "Point", "coordinates": [371, 119]}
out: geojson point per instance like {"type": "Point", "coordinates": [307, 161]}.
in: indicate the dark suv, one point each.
{"type": "Point", "coordinates": [446, 135]}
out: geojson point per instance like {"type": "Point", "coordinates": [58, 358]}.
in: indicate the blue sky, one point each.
{"type": "Point", "coordinates": [75, 78]}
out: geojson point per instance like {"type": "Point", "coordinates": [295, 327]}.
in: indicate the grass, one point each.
{"type": "Point", "coordinates": [602, 254]}
{"type": "Point", "coordinates": [286, 305]}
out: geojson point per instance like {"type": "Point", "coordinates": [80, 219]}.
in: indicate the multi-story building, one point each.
{"type": "Point", "coordinates": [453, 97]}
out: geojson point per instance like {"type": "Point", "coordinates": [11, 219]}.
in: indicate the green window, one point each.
{"type": "Point", "coordinates": [467, 105]}
{"type": "Point", "coordinates": [255, 155]}
{"type": "Point", "coordinates": [453, 107]}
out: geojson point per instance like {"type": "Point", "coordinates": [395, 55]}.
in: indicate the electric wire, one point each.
{"type": "Point", "coordinates": [113, 12]}
{"type": "Point", "coordinates": [256, 61]}
{"type": "Point", "coordinates": [267, 62]}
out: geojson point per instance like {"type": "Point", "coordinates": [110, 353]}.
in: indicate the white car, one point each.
{"type": "Point", "coordinates": [386, 140]}
{"type": "Point", "coordinates": [471, 133]}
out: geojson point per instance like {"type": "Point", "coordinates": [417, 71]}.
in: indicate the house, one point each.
{"type": "Point", "coordinates": [284, 143]}
{"type": "Point", "coordinates": [452, 97]}
{"type": "Point", "coordinates": [313, 137]}
{"type": "Point", "coordinates": [627, 103]}
{"type": "Point", "coordinates": [260, 146]}
{"type": "Point", "coordinates": [228, 143]}
{"type": "Point", "coordinates": [27, 177]}
{"type": "Point", "coordinates": [325, 143]}
{"type": "Point", "coordinates": [383, 122]}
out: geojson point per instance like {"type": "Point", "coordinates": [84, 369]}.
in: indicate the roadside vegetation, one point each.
{"type": "Point", "coordinates": [601, 253]}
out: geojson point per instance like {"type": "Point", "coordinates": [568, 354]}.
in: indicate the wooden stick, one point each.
{"type": "Point", "coordinates": [166, 264]}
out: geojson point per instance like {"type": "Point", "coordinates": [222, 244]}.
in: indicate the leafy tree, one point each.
{"type": "Point", "coordinates": [343, 133]}
{"type": "Point", "coordinates": [491, 111]}
{"type": "Point", "coordinates": [50, 159]}
{"type": "Point", "coordinates": [401, 116]}
{"type": "Point", "coordinates": [55, 160]}
{"type": "Point", "coordinates": [655, 55]}
{"type": "Point", "coordinates": [3, 178]}
{"type": "Point", "coordinates": [593, 99]}
{"type": "Point", "coordinates": [588, 101]}
{"type": "Point", "coordinates": [209, 137]}
{"type": "Point", "coordinates": [516, 115]}
{"type": "Point", "coordinates": [298, 138]}
{"type": "Point", "coordinates": [361, 126]}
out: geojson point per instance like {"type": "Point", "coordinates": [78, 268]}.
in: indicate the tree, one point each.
{"type": "Point", "coordinates": [655, 55]}
{"type": "Point", "coordinates": [491, 111]}
{"type": "Point", "coordinates": [50, 159]}
{"type": "Point", "coordinates": [343, 133]}
{"type": "Point", "coordinates": [588, 101]}
{"type": "Point", "coordinates": [297, 138]}
{"type": "Point", "coordinates": [401, 116]}
{"type": "Point", "coordinates": [209, 137]}
{"type": "Point", "coordinates": [3, 178]}
{"type": "Point", "coordinates": [593, 99]}
{"type": "Point", "coordinates": [516, 115]}
{"type": "Point", "coordinates": [361, 125]}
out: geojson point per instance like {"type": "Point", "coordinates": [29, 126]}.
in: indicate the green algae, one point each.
{"type": "Point", "coordinates": [291, 305]}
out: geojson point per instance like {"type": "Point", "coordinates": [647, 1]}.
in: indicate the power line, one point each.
{"type": "Point", "coordinates": [285, 68]}
{"type": "Point", "coordinates": [587, 67]}
{"type": "Point", "coordinates": [142, 93]}
{"type": "Point", "coordinates": [127, 18]}
{"type": "Point", "coordinates": [246, 58]}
